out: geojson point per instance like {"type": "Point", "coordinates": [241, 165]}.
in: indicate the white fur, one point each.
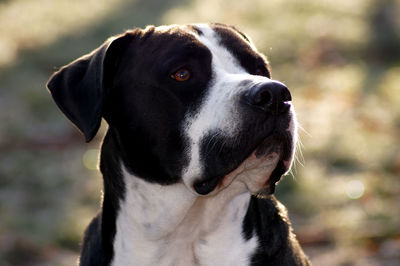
{"type": "Point", "coordinates": [169, 225]}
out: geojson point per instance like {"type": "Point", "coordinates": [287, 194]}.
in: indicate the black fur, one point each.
{"type": "Point", "coordinates": [127, 82]}
{"type": "Point", "coordinates": [278, 245]}
{"type": "Point", "coordinates": [153, 145]}
{"type": "Point", "coordinates": [248, 58]}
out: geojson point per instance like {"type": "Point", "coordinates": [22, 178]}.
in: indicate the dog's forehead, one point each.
{"type": "Point", "coordinates": [223, 59]}
{"type": "Point", "coordinates": [231, 50]}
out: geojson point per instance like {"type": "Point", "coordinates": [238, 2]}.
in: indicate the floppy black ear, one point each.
{"type": "Point", "coordinates": [79, 88]}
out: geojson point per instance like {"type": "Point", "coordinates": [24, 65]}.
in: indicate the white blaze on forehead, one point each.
{"type": "Point", "coordinates": [222, 59]}
{"type": "Point", "coordinates": [217, 112]}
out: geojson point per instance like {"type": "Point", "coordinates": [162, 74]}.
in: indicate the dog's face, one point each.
{"type": "Point", "coordinates": [192, 104]}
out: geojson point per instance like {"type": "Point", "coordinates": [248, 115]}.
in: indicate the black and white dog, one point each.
{"type": "Point", "coordinates": [198, 136]}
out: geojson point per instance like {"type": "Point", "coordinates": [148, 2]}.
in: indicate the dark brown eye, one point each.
{"type": "Point", "coordinates": [181, 75]}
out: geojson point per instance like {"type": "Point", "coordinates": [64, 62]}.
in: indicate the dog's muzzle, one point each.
{"type": "Point", "coordinates": [273, 154]}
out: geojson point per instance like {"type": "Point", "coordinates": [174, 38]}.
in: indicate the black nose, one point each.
{"type": "Point", "coordinates": [272, 96]}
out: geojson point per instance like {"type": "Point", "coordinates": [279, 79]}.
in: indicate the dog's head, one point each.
{"type": "Point", "coordinates": [192, 104]}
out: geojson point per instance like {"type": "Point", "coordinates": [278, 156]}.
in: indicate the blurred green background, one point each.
{"type": "Point", "coordinates": [340, 58]}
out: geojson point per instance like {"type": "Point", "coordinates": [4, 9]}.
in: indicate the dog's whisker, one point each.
{"type": "Point", "coordinates": [303, 130]}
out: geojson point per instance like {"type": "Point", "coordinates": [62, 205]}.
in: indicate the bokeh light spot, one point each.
{"type": "Point", "coordinates": [355, 189]}
{"type": "Point", "coordinates": [90, 159]}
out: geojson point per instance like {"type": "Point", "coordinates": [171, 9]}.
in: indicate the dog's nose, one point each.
{"type": "Point", "coordinates": [272, 96]}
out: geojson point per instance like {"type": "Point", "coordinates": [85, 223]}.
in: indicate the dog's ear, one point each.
{"type": "Point", "coordinates": [79, 88]}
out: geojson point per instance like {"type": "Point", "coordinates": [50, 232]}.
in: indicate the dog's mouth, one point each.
{"type": "Point", "coordinates": [260, 171]}
{"type": "Point", "coordinates": [283, 146]}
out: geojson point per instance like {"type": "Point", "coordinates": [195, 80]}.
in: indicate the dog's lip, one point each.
{"type": "Point", "coordinates": [208, 186]}
{"type": "Point", "coordinates": [254, 163]}
{"type": "Point", "coordinates": [267, 151]}
{"type": "Point", "coordinates": [271, 147]}
{"type": "Point", "coordinates": [280, 169]}
{"type": "Point", "coordinates": [204, 187]}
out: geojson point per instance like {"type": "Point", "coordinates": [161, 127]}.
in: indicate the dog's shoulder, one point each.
{"type": "Point", "coordinates": [267, 219]}
{"type": "Point", "coordinates": [92, 248]}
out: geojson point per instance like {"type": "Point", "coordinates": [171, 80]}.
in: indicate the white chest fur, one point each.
{"type": "Point", "coordinates": [170, 226]}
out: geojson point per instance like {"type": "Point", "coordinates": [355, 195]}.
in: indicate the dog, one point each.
{"type": "Point", "coordinates": [198, 135]}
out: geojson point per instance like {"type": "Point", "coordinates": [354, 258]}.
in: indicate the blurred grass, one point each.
{"type": "Point", "coordinates": [340, 58]}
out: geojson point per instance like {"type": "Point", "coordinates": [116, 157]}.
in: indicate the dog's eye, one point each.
{"type": "Point", "coordinates": [182, 74]}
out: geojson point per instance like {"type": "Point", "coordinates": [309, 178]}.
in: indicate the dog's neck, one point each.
{"type": "Point", "coordinates": [147, 223]}
{"type": "Point", "coordinates": [169, 225]}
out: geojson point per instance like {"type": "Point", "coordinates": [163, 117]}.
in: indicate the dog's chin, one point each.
{"type": "Point", "coordinates": [263, 169]}
{"type": "Point", "coordinates": [268, 188]}
{"type": "Point", "coordinates": [267, 151]}
{"type": "Point", "coordinates": [259, 172]}
{"type": "Point", "coordinates": [282, 145]}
